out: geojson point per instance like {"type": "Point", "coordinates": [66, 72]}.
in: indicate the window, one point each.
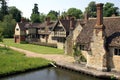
{"type": "Point", "coordinates": [17, 29]}
{"type": "Point", "coordinates": [82, 47]}
{"type": "Point", "coordinates": [117, 51]}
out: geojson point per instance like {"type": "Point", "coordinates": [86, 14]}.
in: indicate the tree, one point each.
{"type": "Point", "coordinates": [4, 9]}
{"type": "Point", "coordinates": [53, 14]}
{"type": "Point", "coordinates": [63, 15]}
{"type": "Point", "coordinates": [8, 26]}
{"type": "Point", "coordinates": [75, 12]}
{"type": "Point", "coordinates": [42, 17]}
{"type": "Point", "coordinates": [16, 13]}
{"type": "Point", "coordinates": [109, 10]}
{"type": "Point", "coordinates": [35, 17]}
{"type": "Point", "coordinates": [1, 37]}
{"type": "Point", "coordinates": [91, 9]}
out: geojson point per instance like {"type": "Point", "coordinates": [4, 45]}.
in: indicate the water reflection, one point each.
{"type": "Point", "coordinates": [50, 74]}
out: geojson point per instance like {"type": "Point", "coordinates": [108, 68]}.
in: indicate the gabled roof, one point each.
{"type": "Point", "coordinates": [50, 25]}
{"type": "Point", "coordinates": [25, 25]}
{"type": "Point", "coordinates": [112, 28]}
{"type": "Point", "coordinates": [21, 26]}
{"type": "Point", "coordinates": [66, 24]}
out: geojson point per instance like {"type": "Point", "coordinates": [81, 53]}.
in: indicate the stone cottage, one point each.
{"type": "Point", "coordinates": [99, 41]}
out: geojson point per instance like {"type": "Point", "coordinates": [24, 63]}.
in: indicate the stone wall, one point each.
{"type": "Point", "coordinates": [71, 40]}
{"type": "Point", "coordinates": [60, 45]}
{"type": "Point", "coordinates": [97, 57]}
{"type": "Point", "coordinates": [69, 45]}
{"type": "Point", "coordinates": [114, 60]}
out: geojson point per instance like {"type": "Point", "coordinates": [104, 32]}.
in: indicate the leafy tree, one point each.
{"type": "Point", "coordinates": [42, 17]}
{"type": "Point", "coordinates": [63, 15]}
{"type": "Point", "coordinates": [75, 12]}
{"type": "Point", "coordinates": [91, 9]}
{"type": "Point", "coordinates": [35, 9]}
{"type": "Point", "coordinates": [35, 17]}
{"type": "Point", "coordinates": [1, 37]}
{"type": "Point", "coordinates": [3, 9]}
{"type": "Point", "coordinates": [109, 10]}
{"type": "Point", "coordinates": [8, 26]}
{"type": "Point", "coordinates": [53, 14]}
{"type": "Point", "coordinates": [16, 14]}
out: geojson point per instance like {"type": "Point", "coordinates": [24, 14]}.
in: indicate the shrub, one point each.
{"type": "Point", "coordinates": [79, 54]}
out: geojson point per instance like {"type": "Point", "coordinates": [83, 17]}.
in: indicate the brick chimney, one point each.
{"type": "Point", "coordinates": [47, 20]}
{"type": "Point", "coordinates": [72, 19]}
{"type": "Point", "coordinates": [23, 20]}
{"type": "Point", "coordinates": [68, 17]}
{"type": "Point", "coordinates": [86, 16]}
{"type": "Point", "coordinates": [99, 15]}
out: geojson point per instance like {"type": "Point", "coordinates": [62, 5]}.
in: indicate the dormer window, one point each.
{"type": "Point", "coordinates": [17, 29]}
{"type": "Point", "coordinates": [117, 51]}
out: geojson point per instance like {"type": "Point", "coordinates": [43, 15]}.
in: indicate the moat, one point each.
{"type": "Point", "coordinates": [50, 74]}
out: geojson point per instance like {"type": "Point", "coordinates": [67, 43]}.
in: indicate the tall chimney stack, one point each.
{"type": "Point", "coordinates": [72, 19]}
{"type": "Point", "coordinates": [86, 16]}
{"type": "Point", "coordinates": [47, 20]}
{"type": "Point", "coordinates": [99, 14]}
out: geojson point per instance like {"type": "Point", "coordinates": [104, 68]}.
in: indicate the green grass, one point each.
{"type": "Point", "coordinates": [13, 61]}
{"type": "Point", "coordinates": [34, 48]}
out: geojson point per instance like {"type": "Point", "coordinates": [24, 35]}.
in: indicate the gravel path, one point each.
{"type": "Point", "coordinates": [52, 57]}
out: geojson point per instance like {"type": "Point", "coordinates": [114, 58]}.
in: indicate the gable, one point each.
{"type": "Point", "coordinates": [77, 31]}
{"type": "Point", "coordinates": [17, 29]}
{"type": "Point", "coordinates": [59, 27]}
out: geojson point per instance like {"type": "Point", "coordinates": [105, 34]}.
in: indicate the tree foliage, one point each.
{"type": "Point", "coordinates": [42, 17]}
{"type": "Point", "coordinates": [3, 9]}
{"type": "Point", "coordinates": [53, 14]}
{"type": "Point", "coordinates": [91, 9]}
{"type": "Point", "coordinates": [35, 17]}
{"type": "Point", "coordinates": [109, 9]}
{"type": "Point", "coordinates": [1, 37]}
{"type": "Point", "coordinates": [75, 12]}
{"type": "Point", "coordinates": [16, 14]}
{"type": "Point", "coordinates": [8, 26]}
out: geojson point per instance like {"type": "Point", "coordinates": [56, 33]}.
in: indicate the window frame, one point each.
{"type": "Point", "coordinates": [117, 51]}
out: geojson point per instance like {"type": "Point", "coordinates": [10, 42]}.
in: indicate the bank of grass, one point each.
{"type": "Point", "coordinates": [13, 61]}
{"type": "Point", "coordinates": [34, 48]}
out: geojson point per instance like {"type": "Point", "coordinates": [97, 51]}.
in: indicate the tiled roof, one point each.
{"type": "Point", "coordinates": [66, 24]}
{"type": "Point", "coordinates": [112, 29]}
{"type": "Point", "coordinates": [21, 25]}
{"type": "Point", "coordinates": [35, 25]}
{"type": "Point", "coordinates": [51, 24]}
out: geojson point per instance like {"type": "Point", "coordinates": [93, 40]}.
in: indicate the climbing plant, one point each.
{"type": "Point", "coordinates": [78, 54]}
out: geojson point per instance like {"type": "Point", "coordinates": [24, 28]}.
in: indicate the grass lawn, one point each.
{"type": "Point", "coordinates": [34, 48]}
{"type": "Point", "coordinates": [13, 61]}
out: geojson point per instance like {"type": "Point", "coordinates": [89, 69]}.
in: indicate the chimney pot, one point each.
{"type": "Point", "coordinates": [68, 17]}
{"type": "Point", "coordinates": [86, 16]}
{"type": "Point", "coordinates": [99, 14]}
{"type": "Point", "coordinates": [47, 20]}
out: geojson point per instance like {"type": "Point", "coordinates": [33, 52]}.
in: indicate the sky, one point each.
{"type": "Point", "coordinates": [45, 6]}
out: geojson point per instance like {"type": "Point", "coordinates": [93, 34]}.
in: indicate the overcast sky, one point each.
{"type": "Point", "coordinates": [45, 6]}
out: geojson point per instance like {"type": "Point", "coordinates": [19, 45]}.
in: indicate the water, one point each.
{"type": "Point", "coordinates": [50, 74]}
